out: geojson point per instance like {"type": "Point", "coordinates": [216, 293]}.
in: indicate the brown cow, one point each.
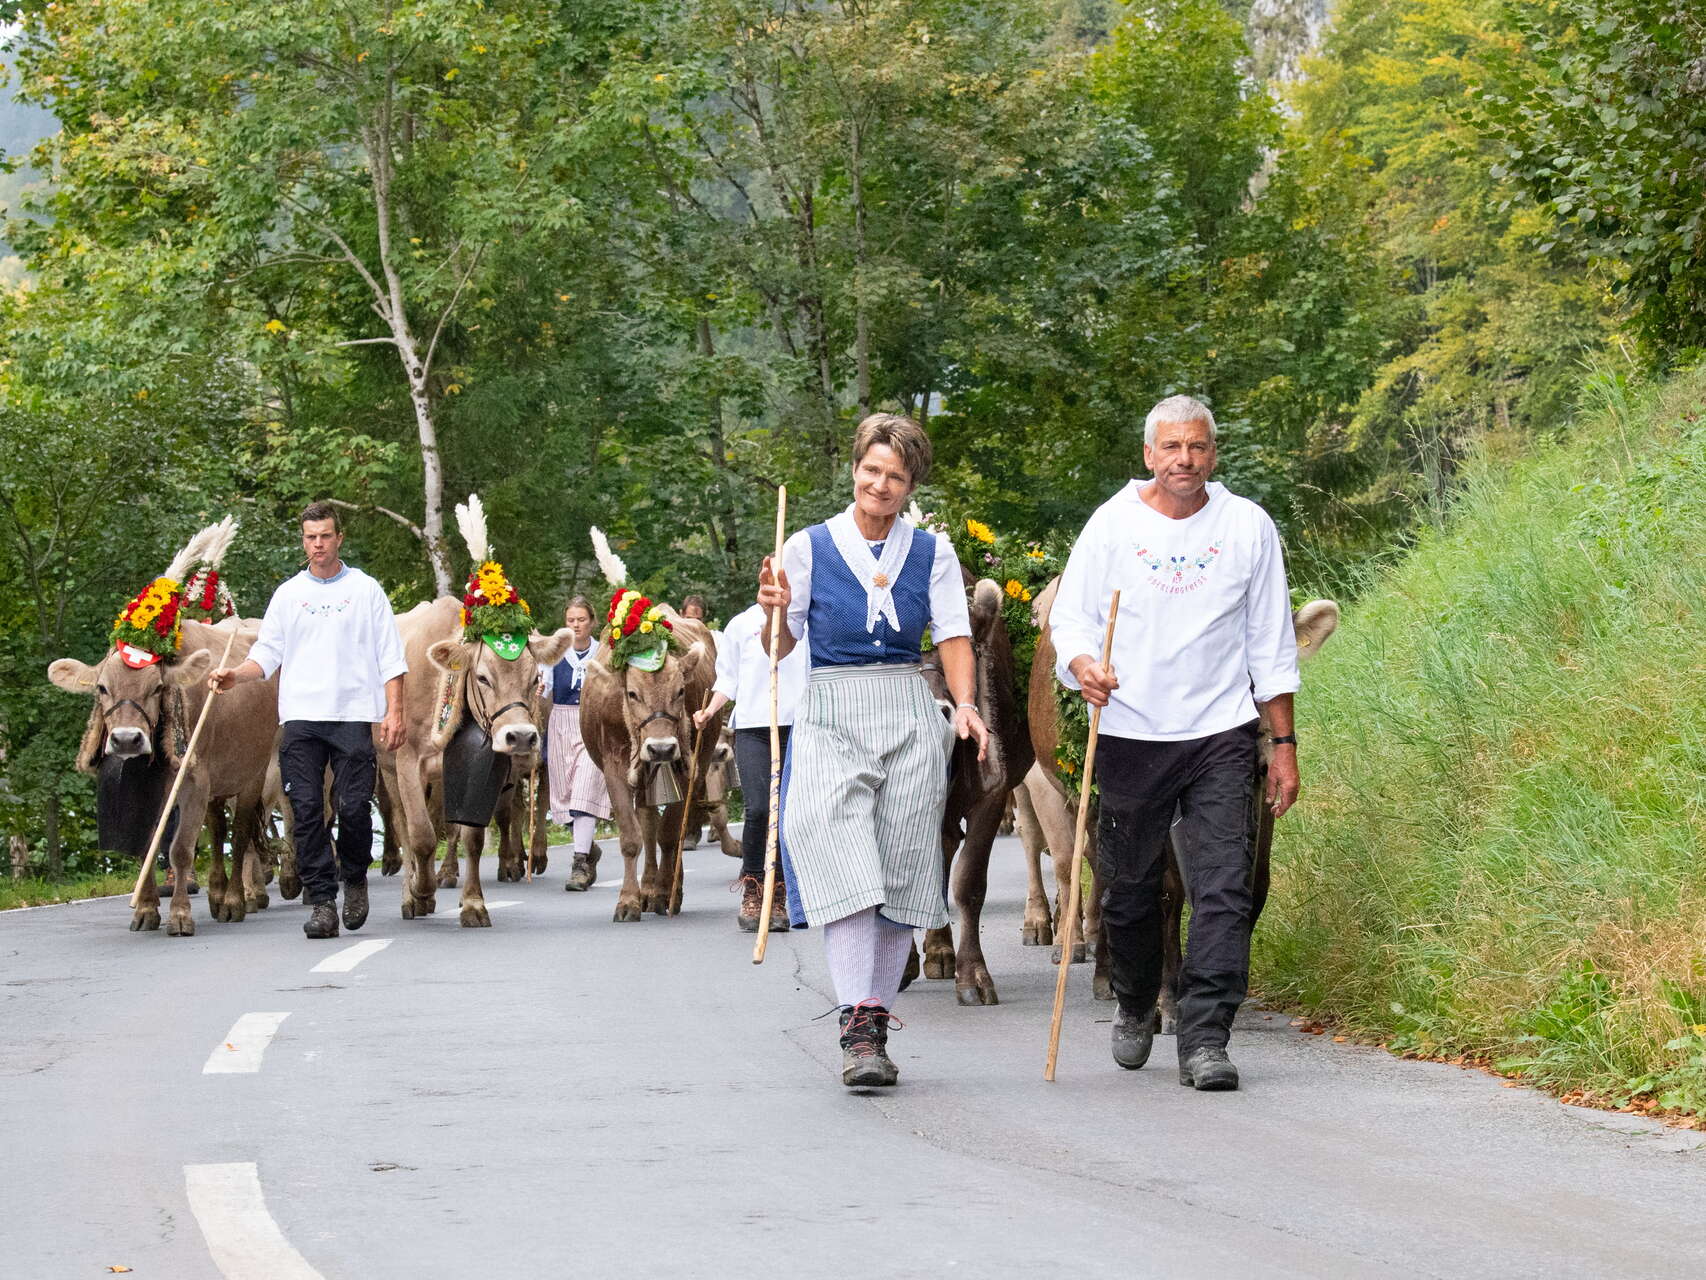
{"type": "Point", "coordinates": [633, 721]}
{"type": "Point", "coordinates": [472, 681]}
{"type": "Point", "coordinates": [977, 795]}
{"type": "Point", "coordinates": [1313, 623]}
{"type": "Point", "coordinates": [139, 712]}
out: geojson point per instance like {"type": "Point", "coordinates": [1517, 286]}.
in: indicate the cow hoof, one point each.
{"type": "Point", "coordinates": [909, 975]}
{"type": "Point", "coordinates": [938, 966]}
{"type": "Point", "coordinates": [289, 885]}
{"type": "Point", "coordinates": [1077, 953]}
{"type": "Point", "coordinates": [475, 916]}
{"type": "Point", "coordinates": [415, 908]}
{"type": "Point", "coordinates": [391, 864]}
{"type": "Point", "coordinates": [448, 879]}
{"type": "Point", "coordinates": [981, 994]}
{"type": "Point", "coordinates": [1103, 986]}
{"type": "Point", "coordinates": [259, 901]}
{"type": "Point", "coordinates": [627, 913]}
{"type": "Point", "coordinates": [1037, 935]}
{"type": "Point", "coordinates": [180, 926]}
{"type": "Point", "coordinates": [1169, 1024]}
{"type": "Point", "coordinates": [144, 918]}
{"type": "Point", "coordinates": [540, 862]}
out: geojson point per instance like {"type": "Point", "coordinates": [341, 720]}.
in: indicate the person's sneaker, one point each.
{"type": "Point", "coordinates": [865, 1062]}
{"type": "Point", "coordinates": [1208, 1069]}
{"type": "Point", "coordinates": [1134, 1036]}
{"type": "Point", "coordinates": [355, 904]}
{"type": "Point", "coordinates": [751, 903]}
{"type": "Point", "coordinates": [323, 923]}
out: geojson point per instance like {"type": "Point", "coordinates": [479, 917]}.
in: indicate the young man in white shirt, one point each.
{"type": "Point", "coordinates": [1204, 636]}
{"type": "Point", "coordinates": [743, 678]}
{"type": "Point", "coordinates": [331, 630]}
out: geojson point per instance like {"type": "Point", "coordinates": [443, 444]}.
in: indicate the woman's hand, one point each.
{"type": "Point", "coordinates": [968, 724]}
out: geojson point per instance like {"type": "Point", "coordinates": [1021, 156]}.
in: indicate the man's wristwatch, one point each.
{"type": "Point", "coordinates": [1284, 738]}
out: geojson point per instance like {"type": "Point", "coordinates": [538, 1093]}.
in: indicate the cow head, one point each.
{"type": "Point", "coordinates": [499, 692]}
{"type": "Point", "coordinates": [136, 711]}
{"type": "Point", "coordinates": [654, 705]}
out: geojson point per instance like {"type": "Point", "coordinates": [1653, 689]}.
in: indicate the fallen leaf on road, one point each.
{"type": "Point", "coordinates": [231, 1046]}
{"type": "Point", "coordinates": [116, 1267]}
{"type": "Point", "coordinates": [1339, 1039]}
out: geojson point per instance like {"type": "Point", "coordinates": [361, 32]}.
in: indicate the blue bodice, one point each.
{"type": "Point", "coordinates": [835, 621]}
{"type": "Point", "coordinates": [565, 685]}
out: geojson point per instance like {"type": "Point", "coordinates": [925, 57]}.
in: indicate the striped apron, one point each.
{"type": "Point", "coordinates": [576, 783]}
{"type": "Point", "coordinates": [866, 783]}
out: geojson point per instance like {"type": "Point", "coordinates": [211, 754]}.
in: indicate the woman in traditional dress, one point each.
{"type": "Point", "coordinates": [578, 794]}
{"type": "Point", "coordinates": [867, 774]}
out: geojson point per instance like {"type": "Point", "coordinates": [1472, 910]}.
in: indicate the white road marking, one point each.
{"type": "Point", "coordinates": [347, 959]}
{"type": "Point", "coordinates": [240, 1052]}
{"type": "Point", "coordinates": [453, 913]}
{"type": "Point", "coordinates": [245, 1242]}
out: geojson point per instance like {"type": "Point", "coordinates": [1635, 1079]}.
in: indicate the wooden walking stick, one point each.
{"type": "Point", "coordinates": [771, 833]}
{"type": "Point", "coordinates": [177, 782]}
{"type": "Point", "coordinates": [686, 810]}
{"type": "Point", "coordinates": [1078, 852]}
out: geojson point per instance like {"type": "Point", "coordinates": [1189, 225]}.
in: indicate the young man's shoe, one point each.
{"type": "Point", "coordinates": [1208, 1069]}
{"type": "Point", "coordinates": [355, 904]}
{"type": "Point", "coordinates": [323, 922]}
{"type": "Point", "coordinates": [1134, 1036]}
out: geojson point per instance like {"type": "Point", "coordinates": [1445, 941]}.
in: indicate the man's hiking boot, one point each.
{"type": "Point", "coordinates": [323, 923]}
{"type": "Point", "coordinates": [865, 1062]}
{"type": "Point", "coordinates": [355, 904]}
{"type": "Point", "coordinates": [751, 903]}
{"type": "Point", "coordinates": [1208, 1069]}
{"type": "Point", "coordinates": [1134, 1036]}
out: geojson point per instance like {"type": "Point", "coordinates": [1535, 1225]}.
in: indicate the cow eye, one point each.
{"type": "Point", "coordinates": [104, 691]}
{"type": "Point", "coordinates": [482, 679]}
{"type": "Point", "coordinates": [633, 695]}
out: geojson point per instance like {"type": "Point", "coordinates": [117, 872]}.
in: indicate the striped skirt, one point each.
{"type": "Point", "coordinates": [576, 783]}
{"type": "Point", "coordinates": [865, 786]}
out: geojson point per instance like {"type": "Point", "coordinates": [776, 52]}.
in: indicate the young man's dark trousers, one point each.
{"type": "Point", "coordinates": [304, 751]}
{"type": "Point", "coordinates": [1210, 782]}
{"type": "Point", "coordinates": [752, 762]}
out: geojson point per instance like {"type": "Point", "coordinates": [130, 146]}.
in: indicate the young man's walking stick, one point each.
{"type": "Point", "coordinates": [183, 768]}
{"type": "Point", "coordinates": [686, 809]}
{"type": "Point", "coordinates": [772, 831]}
{"type": "Point", "coordinates": [1078, 852]}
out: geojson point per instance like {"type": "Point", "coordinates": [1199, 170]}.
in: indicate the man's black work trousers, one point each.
{"type": "Point", "coordinates": [752, 762]}
{"type": "Point", "coordinates": [304, 751]}
{"type": "Point", "coordinates": [1210, 783]}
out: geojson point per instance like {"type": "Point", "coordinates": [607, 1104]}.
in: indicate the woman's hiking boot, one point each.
{"type": "Point", "coordinates": [779, 906]}
{"type": "Point", "coordinates": [865, 1062]}
{"type": "Point", "coordinates": [751, 903]}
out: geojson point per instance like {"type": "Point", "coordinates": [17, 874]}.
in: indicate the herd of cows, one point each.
{"type": "Point", "coordinates": [635, 723]}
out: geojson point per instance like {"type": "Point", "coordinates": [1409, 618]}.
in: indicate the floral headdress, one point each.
{"type": "Point", "coordinates": [635, 628]}
{"type": "Point", "coordinates": [492, 609]}
{"type": "Point", "coordinates": [150, 626]}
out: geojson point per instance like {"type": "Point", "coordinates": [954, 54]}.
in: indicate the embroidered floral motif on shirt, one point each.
{"type": "Point", "coordinates": [1176, 575]}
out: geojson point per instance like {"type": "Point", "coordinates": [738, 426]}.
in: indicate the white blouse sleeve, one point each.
{"type": "Point", "coordinates": [728, 659]}
{"type": "Point", "coordinates": [949, 616]}
{"type": "Point", "coordinates": [1079, 616]}
{"type": "Point", "coordinates": [797, 565]}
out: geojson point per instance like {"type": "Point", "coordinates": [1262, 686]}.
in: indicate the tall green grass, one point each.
{"type": "Point", "coordinates": [1501, 849]}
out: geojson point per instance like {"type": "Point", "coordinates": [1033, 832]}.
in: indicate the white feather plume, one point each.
{"type": "Point", "coordinates": [191, 553]}
{"type": "Point", "coordinates": [615, 572]}
{"type": "Point", "coordinates": [471, 520]}
{"type": "Point", "coordinates": [914, 514]}
{"type": "Point", "coordinates": [218, 542]}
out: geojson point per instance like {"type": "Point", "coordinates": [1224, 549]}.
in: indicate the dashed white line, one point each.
{"type": "Point", "coordinates": [245, 1242]}
{"type": "Point", "coordinates": [347, 959]}
{"type": "Point", "coordinates": [241, 1050]}
{"type": "Point", "coordinates": [453, 913]}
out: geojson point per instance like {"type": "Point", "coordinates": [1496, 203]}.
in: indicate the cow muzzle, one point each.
{"type": "Point", "coordinates": [126, 742]}
{"type": "Point", "coordinates": [515, 739]}
{"type": "Point", "coordinates": [660, 749]}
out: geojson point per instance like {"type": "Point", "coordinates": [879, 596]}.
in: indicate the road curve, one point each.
{"type": "Point", "coordinates": [565, 1095]}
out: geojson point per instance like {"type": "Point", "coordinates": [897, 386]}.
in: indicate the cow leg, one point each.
{"type": "Point", "coordinates": [289, 882]}
{"type": "Point", "coordinates": [192, 813]}
{"type": "Point", "coordinates": [719, 815]}
{"type": "Point", "coordinates": [510, 823]}
{"type": "Point", "coordinates": [541, 821]}
{"type": "Point", "coordinates": [654, 889]}
{"type": "Point", "coordinates": [218, 832]}
{"type": "Point", "coordinates": [939, 943]}
{"type": "Point", "coordinates": [474, 913]}
{"type": "Point", "coordinates": [1172, 923]}
{"type": "Point", "coordinates": [629, 902]}
{"type": "Point", "coordinates": [391, 860]}
{"type": "Point", "coordinates": [972, 983]}
{"type": "Point", "coordinates": [146, 914]}
{"type": "Point", "coordinates": [450, 869]}
{"type": "Point", "coordinates": [249, 837]}
{"type": "Point", "coordinates": [1037, 930]}
{"type": "Point", "coordinates": [236, 900]}
{"type": "Point", "coordinates": [420, 841]}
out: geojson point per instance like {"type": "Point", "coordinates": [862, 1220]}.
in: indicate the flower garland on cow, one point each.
{"type": "Point", "coordinates": [635, 628]}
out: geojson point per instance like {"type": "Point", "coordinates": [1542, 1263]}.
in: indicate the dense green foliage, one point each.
{"type": "Point", "coordinates": [1498, 853]}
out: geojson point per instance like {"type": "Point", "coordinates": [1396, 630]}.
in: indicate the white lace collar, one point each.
{"type": "Point", "coordinates": [876, 574]}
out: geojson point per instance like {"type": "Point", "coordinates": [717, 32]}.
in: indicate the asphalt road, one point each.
{"type": "Point", "coordinates": [561, 1095]}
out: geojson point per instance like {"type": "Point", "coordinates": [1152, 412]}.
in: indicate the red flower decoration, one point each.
{"type": "Point", "coordinates": [469, 601]}
{"type": "Point", "coordinates": [514, 595]}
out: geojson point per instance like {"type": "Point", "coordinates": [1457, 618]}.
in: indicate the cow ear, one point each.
{"type": "Point", "coordinates": [72, 676]}
{"type": "Point", "coordinates": [548, 650]}
{"type": "Point", "coordinates": [1314, 623]}
{"type": "Point", "coordinates": [190, 670]}
{"type": "Point", "coordinates": [596, 668]}
{"type": "Point", "coordinates": [448, 655]}
{"type": "Point", "coordinates": [985, 606]}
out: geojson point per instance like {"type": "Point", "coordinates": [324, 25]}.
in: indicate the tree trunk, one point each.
{"type": "Point", "coordinates": [20, 856]}
{"type": "Point", "coordinates": [861, 314]}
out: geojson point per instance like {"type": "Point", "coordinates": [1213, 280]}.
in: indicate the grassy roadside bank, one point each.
{"type": "Point", "coordinates": [1502, 850]}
